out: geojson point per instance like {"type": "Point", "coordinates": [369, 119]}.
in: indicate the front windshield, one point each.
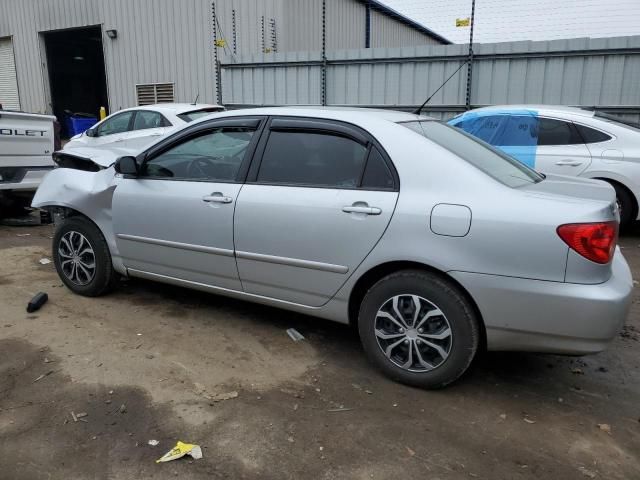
{"type": "Point", "coordinates": [481, 155]}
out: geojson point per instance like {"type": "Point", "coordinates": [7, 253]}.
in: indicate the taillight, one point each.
{"type": "Point", "coordinates": [595, 241]}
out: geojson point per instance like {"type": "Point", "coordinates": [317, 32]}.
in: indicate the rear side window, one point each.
{"type": "Point", "coordinates": [591, 135]}
{"type": "Point", "coordinates": [312, 159]}
{"type": "Point", "coordinates": [483, 156]}
{"type": "Point", "coordinates": [377, 175]}
{"type": "Point", "coordinates": [557, 132]}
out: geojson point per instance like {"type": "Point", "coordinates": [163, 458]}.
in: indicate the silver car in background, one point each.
{"type": "Point", "coordinates": [432, 243]}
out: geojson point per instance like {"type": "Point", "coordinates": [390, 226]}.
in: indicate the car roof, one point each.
{"type": "Point", "coordinates": [545, 109]}
{"type": "Point", "coordinates": [175, 108]}
{"type": "Point", "coordinates": [354, 114]}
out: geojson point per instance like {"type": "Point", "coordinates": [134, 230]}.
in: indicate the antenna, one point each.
{"type": "Point", "coordinates": [196, 100]}
{"type": "Point", "coordinates": [419, 109]}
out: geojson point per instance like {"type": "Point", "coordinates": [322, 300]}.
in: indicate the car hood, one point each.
{"type": "Point", "coordinates": [106, 155]}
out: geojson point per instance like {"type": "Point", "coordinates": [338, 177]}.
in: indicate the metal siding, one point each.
{"type": "Point", "coordinates": [387, 31]}
{"type": "Point", "coordinates": [158, 41]}
{"type": "Point", "coordinates": [346, 23]}
{"type": "Point", "coordinates": [582, 72]}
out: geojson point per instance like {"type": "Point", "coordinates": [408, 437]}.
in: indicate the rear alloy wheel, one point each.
{"type": "Point", "coordinates": [418, 329]}
{"type": "Point", "coordinates": [82, 259]}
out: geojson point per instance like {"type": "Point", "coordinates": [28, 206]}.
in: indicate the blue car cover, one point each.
{"type": "Point", "coordinates": [515, 132]}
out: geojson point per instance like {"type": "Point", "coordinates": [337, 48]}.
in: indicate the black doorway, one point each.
{"type": "Point", "coordinates": [75, 61]}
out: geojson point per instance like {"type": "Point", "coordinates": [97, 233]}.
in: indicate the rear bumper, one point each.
{"type": "Point", "coordinates": [540, 316]}
{"type": "Point", "coordinates": [23, 178]}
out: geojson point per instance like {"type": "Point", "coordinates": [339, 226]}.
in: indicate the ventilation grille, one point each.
{"type": "Point", "coordinates": [150, 93]}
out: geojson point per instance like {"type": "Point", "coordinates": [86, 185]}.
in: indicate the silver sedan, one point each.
{"type": "Point", "coordinates": [432, 243]}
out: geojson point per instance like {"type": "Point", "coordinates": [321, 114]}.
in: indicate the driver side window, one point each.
{"type": "Point", "coordinates": [116, 124]}
{"type": "Point", "coordinates": [215, 155]}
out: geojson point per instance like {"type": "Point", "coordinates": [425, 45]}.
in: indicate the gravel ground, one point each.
{"type": "Point", "coordinates": [148, 361]}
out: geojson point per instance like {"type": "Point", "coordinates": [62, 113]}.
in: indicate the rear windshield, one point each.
{"type": "Point", "coordinates": [615, 119]}
{"type": "Point", "coordinates": [491, 161]}
{"type": "Point", "coordinates": [196, 114]}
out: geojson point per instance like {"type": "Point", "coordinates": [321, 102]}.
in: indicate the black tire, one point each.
{"type": "Point", "coordinates": [627, 206]}
{"type": "Point", "coordinates": [104, 276]}
{"type": "Point", "coordinates": [457, 312]}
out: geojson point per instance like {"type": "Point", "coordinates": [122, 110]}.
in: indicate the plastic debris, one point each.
{"type": "Point", "coordinates": [528, 420]}
{"type": "Point", "coordinates": [153, 443]}
{"type": "Point", "coordinates": [123, 408]}
{"type": "Point", "coordinates": [43, 375]}
{"type": "Point", "coordinates": [577, 371]}
{"type": "Point", "coordinates": [219, 397]}
{"type": "Point", "coordinates": [342, 409]}
{"type": "Point", "coordinates": [587, 473]}
{"type": "Point", "coordinates": [37, 301]}
{"type": "Point", "coordinates": [295, 335]}
{"type": "Point", "coordinates": [180, 450]}
{"type": "Point", "coordinates": [44, 261]}
{"type": "Point", "coordinates": [605, 427]}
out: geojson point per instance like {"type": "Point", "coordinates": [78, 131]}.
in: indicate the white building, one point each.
{"type": "Point", "coordinates": [78, 55]}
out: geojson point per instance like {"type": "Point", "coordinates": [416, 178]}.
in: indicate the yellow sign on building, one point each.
{"type": "Point", "coordinates": [463, 22]}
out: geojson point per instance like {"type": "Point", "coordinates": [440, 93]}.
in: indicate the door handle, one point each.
{"type": "Point", "coordinates": [362, 209]}
{"type": "Point", "coordinates": [569, 163]}
{"type": "Point", "coordinates": [217, 197]}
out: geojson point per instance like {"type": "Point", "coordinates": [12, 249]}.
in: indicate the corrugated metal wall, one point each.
{"type": "Point", "coordinates": [585, 72]}
{"type": "Point", "coordinates": [388, 32]}
{"type": "Point", "coordinates": [158, 41]}
{"type": "Point", "coordinates": [171, 40]}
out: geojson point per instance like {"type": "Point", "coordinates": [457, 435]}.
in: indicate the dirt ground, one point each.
{"type": "Point", "coordinates": [147, 361]}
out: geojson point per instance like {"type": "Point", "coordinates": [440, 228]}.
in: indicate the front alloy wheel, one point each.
{"type": "Point", "coordinates": [77, 258]}
{"type": "Point", "coordinates": [82, 258]}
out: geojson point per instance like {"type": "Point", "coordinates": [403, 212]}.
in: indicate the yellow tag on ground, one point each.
{"type": "Point", "coordinates": [180, 450]}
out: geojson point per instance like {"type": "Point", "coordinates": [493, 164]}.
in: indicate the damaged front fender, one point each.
{"type": "Point", "coordinates": [84, 192]}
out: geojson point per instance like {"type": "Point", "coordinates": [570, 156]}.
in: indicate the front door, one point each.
{"type": "Point", "coordinates": [311, 211]}
{"type": "Point", "coordinates": [176, 218]}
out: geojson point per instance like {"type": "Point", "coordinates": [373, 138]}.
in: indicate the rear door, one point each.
{"type": "Point", "coordinates": [560, 150]}
{"type": "Point", "coordinates": [318, 198]}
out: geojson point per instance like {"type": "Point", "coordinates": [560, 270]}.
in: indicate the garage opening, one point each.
{"type": "Point", "coordinates": [77, 80]}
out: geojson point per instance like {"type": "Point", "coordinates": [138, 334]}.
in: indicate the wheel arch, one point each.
{"type": "Point", "coordinates": [376, 273]}
{"type": "Point", "coordinates": [636, 204]}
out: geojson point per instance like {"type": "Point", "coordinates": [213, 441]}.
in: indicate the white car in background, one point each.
{"type": "Point", "coordinates": [565, 141]}
{"type": "Point", "coordinates": [146, 123]}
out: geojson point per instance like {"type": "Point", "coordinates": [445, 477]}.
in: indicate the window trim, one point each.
{"type": "Point", "coordinates": [326, 127]}
{"type": "Point", "coordinates": [202, 129]}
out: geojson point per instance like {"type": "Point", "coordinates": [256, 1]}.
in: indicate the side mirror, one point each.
{"type": "Point", "coordinates": [126, 166]}
{"type": "Point", "coordinates": [91, 132]}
